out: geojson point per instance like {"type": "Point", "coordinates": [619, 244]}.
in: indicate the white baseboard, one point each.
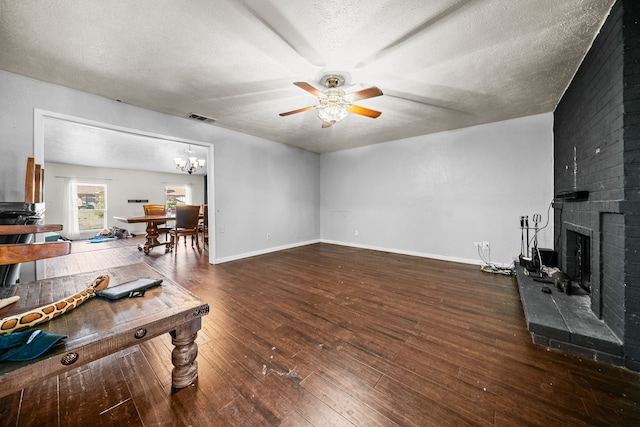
{"type": "Point", "coordinates": [403, 252]}
{"type": "Point", "coordinates": [354, 245]}
{"type": "Point", "coordinates": [265, 251]}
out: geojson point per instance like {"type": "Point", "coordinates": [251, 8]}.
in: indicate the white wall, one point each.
{"type": "Point", "coordinates": [435, 195]}
{"type": "Point", "coordinates": [431, 195]}
{"type": "Point", "coordinates": [267, 188]}
{"type": "Point", "coordinates": [122, 185]}
{"type": "Point", "coordinates": [260, 186]}
{"type": "Point", "coordinates": [21, 95]}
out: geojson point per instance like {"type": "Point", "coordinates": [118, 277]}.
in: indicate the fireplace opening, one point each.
{"type": "Point", "coordinates": [579, 259]}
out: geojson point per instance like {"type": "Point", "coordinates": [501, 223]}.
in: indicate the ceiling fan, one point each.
{"type": "Point", "coordinates": [334, 103]}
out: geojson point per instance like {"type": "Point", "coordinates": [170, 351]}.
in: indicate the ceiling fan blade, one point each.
{"type": "Point", "coordinates": [362, 111]}
{"type": "Point", "coordinates": [363, 94]}
{"type": "Point", "coordinates": [326, 124]}
{"type": "Point", "coordinates": [312, 90]}
{"type": "Point", "coordinates": [300, 110]}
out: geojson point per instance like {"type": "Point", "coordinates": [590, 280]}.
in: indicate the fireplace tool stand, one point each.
{"type": "Point", "coordinates": [530, 257]}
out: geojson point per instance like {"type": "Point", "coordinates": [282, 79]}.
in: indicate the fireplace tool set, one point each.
{"type": "Point", "coordinates": [531, 257]}
{"type": "Point", "coordinates": [529, 253]}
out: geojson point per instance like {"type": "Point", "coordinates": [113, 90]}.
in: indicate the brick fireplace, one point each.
{"type": "Point", "coordinates": [597, 151]}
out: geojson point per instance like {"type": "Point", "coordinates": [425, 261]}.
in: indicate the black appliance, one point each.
{"type": "Point", "coordinates": [17, 213]}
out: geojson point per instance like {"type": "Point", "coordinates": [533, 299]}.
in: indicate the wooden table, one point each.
{"type": "Point", "coordinates": [100, 327]}
{"type": "Point", "coordinates": [152, 229]}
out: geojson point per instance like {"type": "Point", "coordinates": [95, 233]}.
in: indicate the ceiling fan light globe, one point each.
{"type": "Point", "coordinates": [332, 114]}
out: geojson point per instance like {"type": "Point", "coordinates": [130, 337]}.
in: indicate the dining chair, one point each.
{"type": "Point", "coordinates": [187, 218]}
{"type": "Point", "coordinates": [204, 224]}
{"type": "Point", "coordinates": [158, 210]}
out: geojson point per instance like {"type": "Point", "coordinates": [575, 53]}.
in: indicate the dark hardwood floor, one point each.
{"type": "Point", "coordinates": [325, 335]}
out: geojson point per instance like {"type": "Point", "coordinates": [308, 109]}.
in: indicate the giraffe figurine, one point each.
{"type": "Point", "coordinates": [47, 312]}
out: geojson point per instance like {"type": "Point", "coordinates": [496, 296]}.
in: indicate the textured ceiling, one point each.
{"type": "Point", "coordinates": [86, 145]}
{"type": "Point", "coordinates": [442, 64]}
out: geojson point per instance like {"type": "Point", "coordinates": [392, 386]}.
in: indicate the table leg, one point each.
{"type": "Point", "coordinates": [151, 236]}
{"type": "Point", "coordinates": [183, 356]}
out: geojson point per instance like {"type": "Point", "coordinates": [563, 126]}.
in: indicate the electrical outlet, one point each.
{"type": "Point", "coordinates": [485, 245]}
{"type": "Point", "coordinates": [268, 236]}
{"type": "Point", "coordinates": [356, 233]}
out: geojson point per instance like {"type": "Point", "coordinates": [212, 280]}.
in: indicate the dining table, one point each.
{"type": "Point", "coordinates": [152, 233]}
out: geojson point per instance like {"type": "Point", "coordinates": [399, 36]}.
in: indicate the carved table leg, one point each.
{"type": "Point", "coordinates": [151, 236]}
{"type": "Point", "coordinates": [183, 356]}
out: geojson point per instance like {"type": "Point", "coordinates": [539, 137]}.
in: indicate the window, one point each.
{"type": "Point", "coordinates": [91, 203]}
{"type": "Point", "coordinates": [176, 195]}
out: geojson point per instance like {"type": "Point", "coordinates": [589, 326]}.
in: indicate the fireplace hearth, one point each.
{"type": "Point", "coordinates": [566, 322]}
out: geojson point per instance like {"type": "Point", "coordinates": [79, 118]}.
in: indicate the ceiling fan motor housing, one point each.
{"type": "Point", "coordinates": [332, 80]}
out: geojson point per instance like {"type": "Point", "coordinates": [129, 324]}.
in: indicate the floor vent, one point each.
{"type": "Point", "coordinates": [201, 118]}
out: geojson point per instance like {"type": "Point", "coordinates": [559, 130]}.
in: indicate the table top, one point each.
{"type": "Point", "coordinates": [98, 326]}
{"type": "Point", "coordinates": [144, 218]}
{"type": "Point", "coordinates": [148, 218]}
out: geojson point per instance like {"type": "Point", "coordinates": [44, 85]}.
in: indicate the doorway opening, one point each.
{"type": "Point", "coordinates": [42, 116]}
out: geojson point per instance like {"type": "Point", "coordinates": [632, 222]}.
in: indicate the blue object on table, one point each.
{"type": "Point", "coordinates": [27, 345]}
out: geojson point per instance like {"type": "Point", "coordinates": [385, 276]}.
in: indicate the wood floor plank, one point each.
{"type": "Point", "coordinates": [218, 391]}
{"type": "Point", "coordinates": [332, 363]}
{"type": "Point", "coordinates": [435, 409]}
{"type": "Point", "coordinates": [75, 409]}
{"type": "Point", "coordinates": [152, 402]}
{"type": "Point", "coordinates": [253, 362]}
{"type": "Point", "coordinates": [351, 408]}
{"type": "Point", "coordinates": [10, 408]}
{"type": "Point", "coordinates": [317, 412]}
{"type": "Point", "coordinates": [124, 414]}
{"type": "Point", "coordinates": [427, 373]}
{"type": "Point", "coordinates": [241, 412]}
{"type": "Point", "coordinates": [40, 404]}
{"type": "Point", "coordinates": [247, 379]}
{"type": "Point", "coordinates": [296, 420]}
{"type": "Point", "coordinates": [158, 354]}
{"type": "Point", "coordinates": [195, 408]}
{"type": "Point", "coordinates": [324, 335]}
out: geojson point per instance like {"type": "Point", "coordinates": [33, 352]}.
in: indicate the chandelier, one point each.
{"type": "Point", "coordinates": [190, 165]}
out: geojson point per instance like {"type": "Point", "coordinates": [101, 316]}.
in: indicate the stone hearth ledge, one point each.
{"type": "Point", "coordinates": [566, 322]}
